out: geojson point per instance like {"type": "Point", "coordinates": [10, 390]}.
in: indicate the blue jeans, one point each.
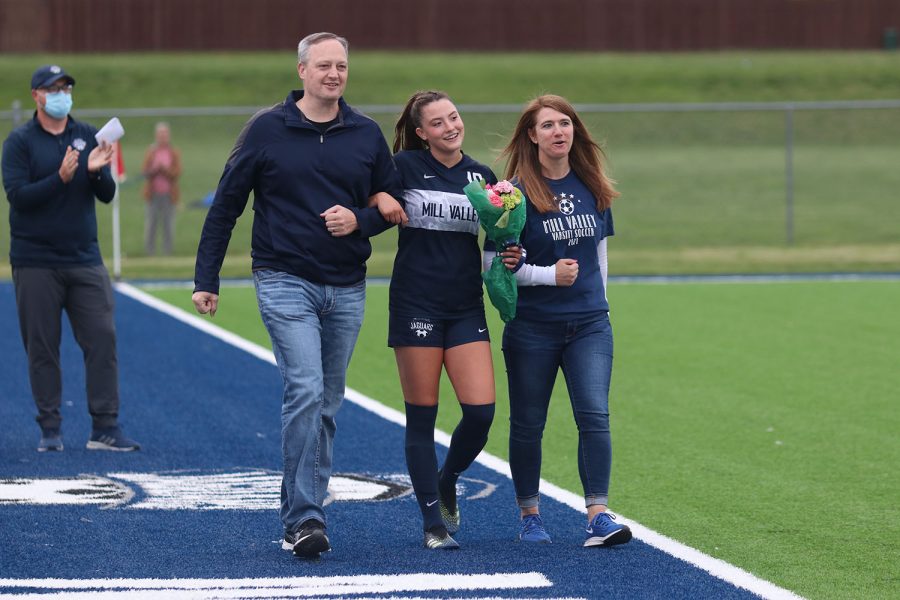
{"type": "Point", "coordinates": [534, 353]}
{"type": "Point", "coordinates": [313, 329]}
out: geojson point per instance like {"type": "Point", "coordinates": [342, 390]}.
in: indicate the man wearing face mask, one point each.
{"type": "Point", "coordinates": [53, 170]}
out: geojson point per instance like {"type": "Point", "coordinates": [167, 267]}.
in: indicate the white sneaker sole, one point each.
{"type": "Point", "coordinates": [101, 446]}
{"type": "Point", "coordinates": [621, 536]}
{"type": "Point", "coordinates": [309, 546]}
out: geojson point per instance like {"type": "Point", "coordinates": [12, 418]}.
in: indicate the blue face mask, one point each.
{"type": "Point", "coordinates": [58, 104]}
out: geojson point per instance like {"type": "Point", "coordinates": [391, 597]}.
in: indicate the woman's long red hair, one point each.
{"type": "Point", "coordinates": [586, 157]}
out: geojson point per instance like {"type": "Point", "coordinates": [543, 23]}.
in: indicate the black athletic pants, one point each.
{"type": "Point", "coordinates": [85, 293]}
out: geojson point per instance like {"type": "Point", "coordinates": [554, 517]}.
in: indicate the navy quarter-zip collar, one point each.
{"type": "Point", "coordinates": [294, 118]}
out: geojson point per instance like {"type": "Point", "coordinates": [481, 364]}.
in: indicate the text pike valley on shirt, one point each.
{"type": "Point", "coordinates": [457, 212]}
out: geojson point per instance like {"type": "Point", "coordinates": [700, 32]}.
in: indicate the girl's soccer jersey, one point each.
{"type": "Point", "coordinates": [437, 270]}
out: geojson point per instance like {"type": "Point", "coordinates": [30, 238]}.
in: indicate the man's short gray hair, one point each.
{"type": "Point", "coordinates": [314, 38]}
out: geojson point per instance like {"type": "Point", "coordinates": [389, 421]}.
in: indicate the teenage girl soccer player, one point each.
{"type": "Point", "coordinates": [437, 316]}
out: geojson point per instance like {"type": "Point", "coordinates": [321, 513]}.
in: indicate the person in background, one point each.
{"type": "Point", "coordinates": [437, 318]}
{"type": "Point", "coordinates": [161, 168]}
{"type": "Point", "coordinates": [53, 173]}
{"type": "Point", "coordinates": [312, 164]}
{"type": "Point", "coordinates": [562, 313]}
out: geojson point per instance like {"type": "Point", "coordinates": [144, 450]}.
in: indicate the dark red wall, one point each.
{"type": "Point", "coordinates": [621, 25]}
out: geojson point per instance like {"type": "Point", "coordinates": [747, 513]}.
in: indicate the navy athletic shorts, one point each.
{"type": "Point", "coordinates": [427, 332]}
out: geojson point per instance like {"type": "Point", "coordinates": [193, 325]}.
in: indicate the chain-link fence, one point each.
{"type": "Point", "coordinates": [705, 187]}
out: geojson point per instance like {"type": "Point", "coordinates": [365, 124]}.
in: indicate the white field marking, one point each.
{"type": "Point", "coordinates": [253, 490]}
{"type": "Point", "coordinates": [251, 593]}
{"type": "Point", "coordinates": [487, 490]}
{"type": "Point", "coordinates": [248, 490]}
{"type": "Point", "coordinates": [357, 488]}
{"type": "Point", "coordinates": [163, 284]}
{"type": "Point", "coordinates": [278, 587]}
{"type": "Point", "coordinates": [714, 566]}
{"type": "Point", "coordinates": [750, 278]}
{"type": "Point", "coordinates": [203, 324]}
{"type": "Point", "coordinates": [87, 489]}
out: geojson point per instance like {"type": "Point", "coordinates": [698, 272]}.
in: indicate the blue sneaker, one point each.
{"type": "Point", "coordinates": [531, 529]}
{"type": "Point", "coordinates": [51, 441]}
{"type": "Point", "coordinates": [111, 438]}
{"type": "Point", "coordinates": [604, 531]}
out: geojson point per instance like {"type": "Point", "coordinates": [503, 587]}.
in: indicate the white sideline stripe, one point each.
{"type": "Point", "coordinates": [275, 587]}
{"type": "Point", "coordinates": [752, 278]}
{"type": "Point", "coordinates": [240, 594]}
{"type": "Point", "coordinates": [714, 566]}
{"type": "Point", "coordinates": [278, 594]}
{"type": "Point", "coordinates": [203, 325]}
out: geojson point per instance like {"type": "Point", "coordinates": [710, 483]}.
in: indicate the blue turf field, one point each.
{"type": "Point", "coordinates": [193, 515]}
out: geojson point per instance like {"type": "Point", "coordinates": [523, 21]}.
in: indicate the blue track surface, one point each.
{"type": "Point", "coordinates": [207, 414]}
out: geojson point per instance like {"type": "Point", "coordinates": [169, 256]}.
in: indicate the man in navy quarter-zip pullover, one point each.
{"type": "Point", "coordinates": [54, 171]}
{"type": "Point", "coordinates": [312, 163]}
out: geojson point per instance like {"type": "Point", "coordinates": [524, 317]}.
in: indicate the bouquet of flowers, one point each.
{"type": "Point", "coordinates": [501, 211]}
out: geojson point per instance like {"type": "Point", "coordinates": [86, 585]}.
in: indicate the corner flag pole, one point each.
{"type": "Point", "coordinates": [117, 249]}
{"type": "Point", "coordinates": [118, 167]}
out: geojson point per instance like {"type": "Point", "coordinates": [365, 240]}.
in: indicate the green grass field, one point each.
{"type": "Point", "coordinates": [251, 78]}
{"type": "Point", "coordinates": [755, 422]}
{"type": "Point", "coordinates": [702, 192]}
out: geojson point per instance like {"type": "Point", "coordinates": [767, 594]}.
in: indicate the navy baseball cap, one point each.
{"type": "Point", "coordinates": [47, 74]}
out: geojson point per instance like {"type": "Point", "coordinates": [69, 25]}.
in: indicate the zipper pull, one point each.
{"type": "Point", "coordinates": [321, 138]}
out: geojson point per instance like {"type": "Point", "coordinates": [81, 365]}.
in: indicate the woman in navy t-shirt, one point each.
{"type": "Point", "coordinates": [562, 315]}
{"type": "Point", "coordinates": [437, 316]}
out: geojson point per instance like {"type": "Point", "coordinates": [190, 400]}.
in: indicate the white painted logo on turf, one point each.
{"type": "Point", "coordinates": [364, 488]}
{"type": "Point", "coordinates": [398, 585]}
{"type": "Point", "coordinates": [254, 490]}
{"type": "Point", "coordinates": [241, 490]}
{"type": "Point", "coordinates": [246, 490]}
{"type": "Point", "coordinates": [87, 489]}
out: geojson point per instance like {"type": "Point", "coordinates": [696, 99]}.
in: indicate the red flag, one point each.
{"type": "Point", "coordinates": [118, 163]}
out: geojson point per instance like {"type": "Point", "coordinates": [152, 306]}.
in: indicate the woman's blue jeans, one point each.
{"type": "Point", "coordinates": [313, 329]}
{"type": "Point", "coordinates": [534, 353]}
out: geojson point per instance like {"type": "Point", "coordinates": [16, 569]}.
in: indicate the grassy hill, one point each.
{"type": "Point", "coordinates": [701, 192]}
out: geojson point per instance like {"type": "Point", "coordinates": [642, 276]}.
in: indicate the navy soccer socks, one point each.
{"type": "Point", "coordinates": [421, 460]}
{"type": "Point", "coordinates": [467, 441]}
